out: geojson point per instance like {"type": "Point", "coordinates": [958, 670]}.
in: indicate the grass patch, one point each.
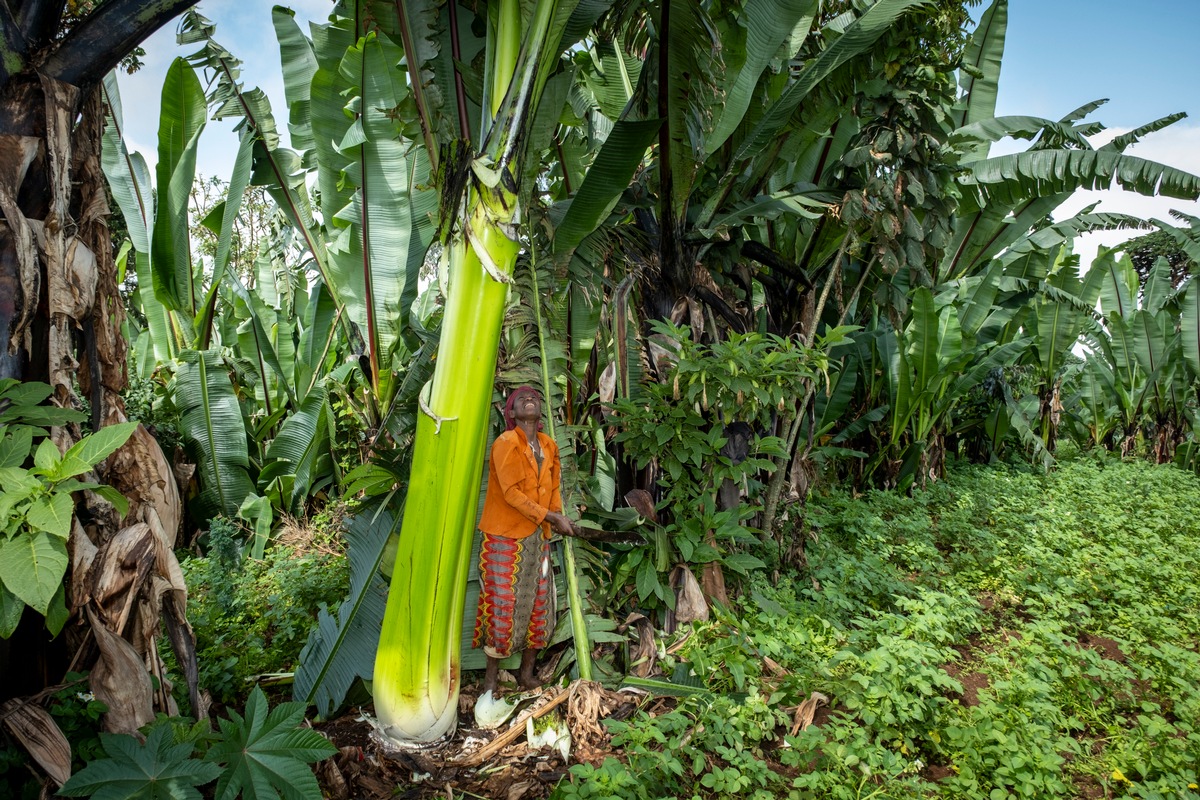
{"type": "Point", "coordinates": [1004, 634]}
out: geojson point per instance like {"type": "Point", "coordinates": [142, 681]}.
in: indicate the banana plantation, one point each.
{"type": "Point", "coordinates": [875, 489]}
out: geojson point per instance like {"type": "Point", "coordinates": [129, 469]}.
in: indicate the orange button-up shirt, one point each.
{"type": "Point", "coordinates": [519, 495]}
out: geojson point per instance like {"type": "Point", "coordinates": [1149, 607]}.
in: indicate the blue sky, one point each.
{"type": "Point", "coordinates": [1059, 55]}
{"type": "Point", "coordinates": [1141, 55]}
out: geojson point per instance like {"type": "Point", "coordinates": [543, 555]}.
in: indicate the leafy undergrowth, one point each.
{"type": "Point", "coordinates": [1001, 635]}
{"type": "Point", "coordinates": [252, 617]}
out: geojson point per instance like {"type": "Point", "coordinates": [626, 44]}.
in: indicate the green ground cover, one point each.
{"type": "Point", "coordinates": [1004, 634]}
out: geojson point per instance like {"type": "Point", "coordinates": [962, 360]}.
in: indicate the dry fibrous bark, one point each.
{"type": "Point", "coordinates": [60, 322]}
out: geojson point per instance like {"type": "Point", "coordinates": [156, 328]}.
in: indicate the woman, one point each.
{"type": "Point", "coordinates": [523, 505]}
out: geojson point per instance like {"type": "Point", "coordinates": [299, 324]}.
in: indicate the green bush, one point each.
{"type": "Point", "coordinates": [253, 617]}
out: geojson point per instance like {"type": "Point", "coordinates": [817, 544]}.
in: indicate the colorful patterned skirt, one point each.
{"type": "Point", "coordinates": [516, 595]}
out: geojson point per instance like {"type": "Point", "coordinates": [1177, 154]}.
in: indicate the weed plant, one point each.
{"type": "Point", "coordinates": [1003, 634]}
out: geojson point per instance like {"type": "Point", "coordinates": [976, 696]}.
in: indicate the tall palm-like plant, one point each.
{"type": "Point", "coordinates": [416, 669]}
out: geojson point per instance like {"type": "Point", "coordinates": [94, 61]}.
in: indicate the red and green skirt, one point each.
{"type": "Point", "coordinates": [516, 595]}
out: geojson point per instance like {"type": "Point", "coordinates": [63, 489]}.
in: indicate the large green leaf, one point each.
{"type": "Point", "coordinates": [387, 175]}
{"type": "Point", "coordinates": [983, 55]}
{"type": "Point", "coordinates": [341, 649]}
{"type": "Point", "coordinates": [156, 770]}
{"type": "Point", "coordinates": [15, 444]}
{"type": "Point", "coordinates": [1157, 289]}
{"type": "Point", "coordinates": [1124, 351]}
{"type": "Point", "coordinates": [230, 208]}
{"type": "Point", "coordinates": [1013, 179]}
{"type": "Point", "coordinates": [266, 754]}
{"type": "Point", "coordinates": [95, 447]}
{"type": "Point", "coordinates": [608, 177]}
{"type": "Point", "coordinates": [766, 24]}
{"type": "Point", "coordinates": [1190, 325]}
{"type": "Point", "coordinates": [1119, 286]}
{"type": "Point", "coordinates": [258, 340]}
{"type": "Point", "coordinates": [612, 82]}
{"type": "Point", "coordinates": [211, 419]}
{"type": "Point", "coordinates": [1057, 331]}
{"type": "Point", "coordinates": [181, 120]}
{"type": "Point", "coordinates": [32, 565]}
{"type": "Point", "coordinates": [1151, 341]}
{"type": "Point", "coordinates": [993, 129]}
{"type": "Point", "coordinates": [301, 442]}
{"type": "Point", "coordinates": [857, 38]}
{"type": "Point", "coordinates": [922, 339]}
{"type": "Point", "coordinates": [127, 173]}
{"type": "Point", "coordinates": [299, 64]}
{"type": "Point", "coordinates": [11, 611]}
{"type": "Point", "coordinates": [51, 513]}
{"type": "Point", "coordinates": [317, 337]}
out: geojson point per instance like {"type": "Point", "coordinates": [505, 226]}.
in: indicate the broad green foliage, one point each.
{"type": "Point", "coordinates": [262, 755]}
{"type": "Point", "coordinates": [684, 424]}
{"type": "Point", "coordinates": [265, 755]}
{"type": "Point", "coordinates": [36, 508]}
{"type": "Point", "coordinates": [156, 770]}
{"type": "Point", "coordinates": [1066, 602]}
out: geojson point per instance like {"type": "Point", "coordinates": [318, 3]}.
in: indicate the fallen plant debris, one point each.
{"type": "Point", "coordinates": [474, 762]}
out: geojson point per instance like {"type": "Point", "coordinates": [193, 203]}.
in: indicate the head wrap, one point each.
{"type": "Point", "coordinates": [510, 408]}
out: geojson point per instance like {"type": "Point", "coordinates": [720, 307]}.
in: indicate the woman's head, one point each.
{"type": "Point", "coordinates": [513, 406]}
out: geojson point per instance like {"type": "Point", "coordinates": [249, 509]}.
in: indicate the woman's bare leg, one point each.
{"type": "Point", "coordinates": [489, 677]}
{"type": "Point", "coordinates": [526, 679]}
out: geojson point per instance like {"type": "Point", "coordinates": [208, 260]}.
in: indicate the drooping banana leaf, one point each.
{"type": "Point", "coordinates": [767, 25]}
{"type": "Point", "coordinates": [857, 38]}
{"type": "Point", "coordinates": [127, 173]}
{"type": "Point", "coordinates": [211, 419]}
{"type": "Point", "coordinates": [341, 649]}
{"type": "Point", "coordinates": [993, 129]}
{"type": "Point", "coordinates": [1010, 179]}
{"type": "Point", "coordinates": [607, 178]}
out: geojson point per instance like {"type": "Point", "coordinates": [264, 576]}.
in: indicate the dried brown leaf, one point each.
{"type": "Point", "coordinates": [120, 681]}
{"type": "Point", "coordinates": [641, 500]}
{"type": "Point", "coordinates": [806, 711]}
{"type": "Point", "coordinates": [38, 733]}
{"type": "Point", "coordinates": [690, 605]}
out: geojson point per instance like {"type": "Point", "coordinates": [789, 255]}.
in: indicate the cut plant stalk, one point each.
{"type": "Point", "coordinates": [417, 668]}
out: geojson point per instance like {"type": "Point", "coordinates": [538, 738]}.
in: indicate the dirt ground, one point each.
{"type": "Point", "coordinates": [474, 763]}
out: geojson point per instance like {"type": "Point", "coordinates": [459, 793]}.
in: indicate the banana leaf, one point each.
{"type": "Point", "coordinates": [211, 420]}
{"type": "Point", "coordinates": [341, 649]}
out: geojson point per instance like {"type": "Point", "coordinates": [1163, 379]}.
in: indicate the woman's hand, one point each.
{"type": "Point", "coordinates": [560, 523]}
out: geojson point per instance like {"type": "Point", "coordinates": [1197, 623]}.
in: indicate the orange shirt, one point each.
{"type": "Point", "coordinates": [519, 495]}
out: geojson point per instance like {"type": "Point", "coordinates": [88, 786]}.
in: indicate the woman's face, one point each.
{"type": "Point", "coordinates": [528, 407]}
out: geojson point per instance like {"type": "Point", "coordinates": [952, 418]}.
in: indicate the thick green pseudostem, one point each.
{"type": "Point", "coordinates": [417, 677]}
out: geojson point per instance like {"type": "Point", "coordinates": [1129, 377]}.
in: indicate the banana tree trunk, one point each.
{"type": "Point", "coordinates": [417, 669]}
{"type": "Point", "coordinates": [60, 322]}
